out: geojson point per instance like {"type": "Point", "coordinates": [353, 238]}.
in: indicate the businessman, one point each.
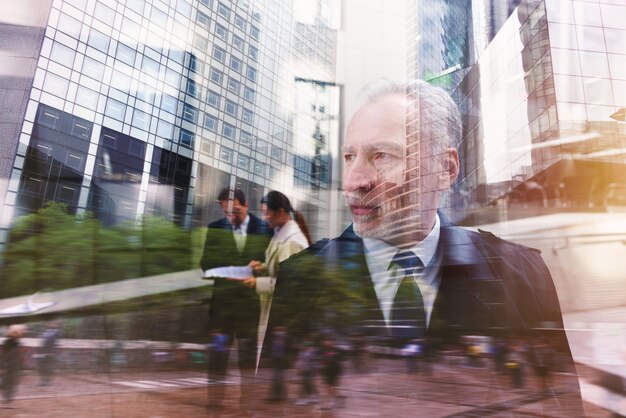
{"type": "Point", "coordinates": [235, 240]}
{"type": "Point", "coordinates": [402, 271]}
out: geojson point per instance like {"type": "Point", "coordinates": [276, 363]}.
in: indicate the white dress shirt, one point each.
{"type": "Point", "coordinates": [241, 233]}
{"type": "Point", "coordinates": [386, 279]}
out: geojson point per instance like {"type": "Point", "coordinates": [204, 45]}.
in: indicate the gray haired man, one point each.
{"type": "Point", "coordinates": [402, 271]}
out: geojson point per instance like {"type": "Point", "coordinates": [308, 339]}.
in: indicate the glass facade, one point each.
{"type": "Point", "coordinates": [127, 118]}
{"type": "Point", "coordinates": [164, 90]}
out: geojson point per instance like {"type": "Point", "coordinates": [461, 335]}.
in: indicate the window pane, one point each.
{"type": "Point", "coordinates": [213, 99]}
{"type": "Point", "coordinates": [210, 122]}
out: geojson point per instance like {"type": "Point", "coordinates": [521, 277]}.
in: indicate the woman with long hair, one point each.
{"type": "Point", "coordinates": [291, 236]}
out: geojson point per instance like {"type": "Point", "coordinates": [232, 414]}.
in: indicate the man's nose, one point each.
{"type": "Point", "coordinates": [360, 175]}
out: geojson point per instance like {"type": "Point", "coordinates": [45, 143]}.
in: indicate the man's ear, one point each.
{"type": "Point", "coordinates": [450, 167]}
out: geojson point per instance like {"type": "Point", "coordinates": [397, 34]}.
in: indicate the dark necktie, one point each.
{"type": "Point", "coordinates": [408, 317]}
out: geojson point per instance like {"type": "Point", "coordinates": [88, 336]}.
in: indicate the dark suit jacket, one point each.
{"type": "Point", "coordinates": [234, 308]}
{"type": "Point", "coordinates": [488, 287]}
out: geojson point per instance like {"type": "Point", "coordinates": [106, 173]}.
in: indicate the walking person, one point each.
{"type": "Point", "coordinates": [48, 353]}
{"type": "Point", "coordinates": [291, 235]}
{"type": "Point", "coordinates": [11, 363]}
{"type": "Point", "coordinates": [306, 365]}
{"type": "Point", "coordinates": [279, 364]}
{"type": "Point", "coordinates": [331, 358]}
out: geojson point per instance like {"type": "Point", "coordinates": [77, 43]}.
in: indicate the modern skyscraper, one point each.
{"type": "Point", "coordinates": [150, 107]}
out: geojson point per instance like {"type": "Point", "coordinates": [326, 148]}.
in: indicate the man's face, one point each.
{"type": "Point", "coordinates": [235, 212]}
{"type": "Point", "coordinates": [390, 187]}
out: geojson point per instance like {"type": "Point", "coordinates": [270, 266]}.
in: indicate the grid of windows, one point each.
{"type": "Point", "coordinates": [161, 89]}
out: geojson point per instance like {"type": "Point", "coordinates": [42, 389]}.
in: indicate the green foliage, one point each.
{"type": "Point", "coordinates": [51, 249]}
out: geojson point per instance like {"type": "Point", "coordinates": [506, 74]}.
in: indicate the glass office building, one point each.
{"type": "Point", "coordinates": [150, 107]}
{"type": "Point", "coordinates": [540, 94]}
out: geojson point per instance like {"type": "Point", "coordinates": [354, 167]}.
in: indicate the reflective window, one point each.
{"type": "Point", "coordinates": [617, 63]}
{"type": "Point", "coordinates": [253, 53]}
{"type": "Point", "coordinates": [591, 38]}
{"type": "Point", "coordinates": [62, 54]}
{"type": "Point", "coordinates": [569, 88]}
{"type": "Point", "coordinates": [255, 32]}
{"type": "Point", "coordinates": [150, 67]}
{"type": "Point", "coordinates": [240, 22]}
{"type": "Point", "coordinates": [195, 64]}
{"type": "Point", "coordinates": [228, 131]}
{"type": "Point", "coordinates": [245, 138]}
{"type": "Point", "coordinates": [98, 40]}
{"type": "Point", "coordinates": [172, 77]}
{"type": "Point", "coordinates": [233, 85]}
{"type": "Point", "coordinates": [231, 108]}
{"type": "Point", "coordinates": [247, 116]}
{"type": "Point", "coordinates": [93, 68]}
{"type": "Point", "coordinates": [223, 11]}
{"type": "Point", "coordinates": [613, 15]}
{"type": "Point", "coordinates": [218, 53]}
{"type": "Point", "coordinates": [226, 155]}
{"type": "Point", "coordinates": [200, 42]}
{"type": "Point", "coordinates": [236, 64]}
{"type": "Point", "coordinates": [190, 113]}
{"type": "Point", "coordinates": [125, 54]}
{"type": "Point", "coordinates": [563, 36]}
{"type": "Point", "coordinates": [56, 85]}
{"type": "Point", "coordinates": [210, 122]}
{"type": "Point", "coordinates": [243, 162]}
{"type": "Point", "coordinates": [213, 99]}
{"type": "Point", "coordinates": [69, 25]}
{"type": "Point", "coordinates": [221, 32]}
{"type": "Point", "coordinates": [259, 168]}
{"type": "Point", "coordinates": [215, 76]}
{"type": "Point", "coordinates": [158, 17]}
{"type": "Point", "coordinates": [115, 109]}
{"type": "Point", "coordinates": [251, 73]}
{"type": "Point", "coordinates": [165, 129]}
{"type": "Point", "coordinates": [186, 138]}
{"type": "Point", "coordinates": [192, 88]}
{"type": "Point", "coordinates": [141, 120]}
{"type": "Point", "coordinates": [238, 43]}
{"type": "Point", "coordinates": [184, 8]}
{"type": "Point", "coordinates": [203, 20]}
{"type": "Point", "coordinates": [615, 40]}
{"type": "Point", "coordinates": [594, 64]}
{"type": "Point", "coordinates": [86, 97]}
{"type": "Point", "coordinates": [169, 103]}
{"type": "Point", "coordinates": [249, 94]}
{"type": "Point", "coordinates": [104, 14]}
{"type": "Point", "coordinates": [565, 61]}
{"type": "Point", "coordinates": [587, 14]}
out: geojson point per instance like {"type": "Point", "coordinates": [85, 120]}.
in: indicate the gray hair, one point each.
{"type": "Point", "coordinates": [436, 107]}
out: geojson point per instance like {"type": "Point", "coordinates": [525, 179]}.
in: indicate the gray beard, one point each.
{"type": "Point", "coordinates": [394, 225]}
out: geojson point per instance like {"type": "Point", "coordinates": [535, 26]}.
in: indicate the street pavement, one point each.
{"type": "Point", "coordinates": [381, 393]}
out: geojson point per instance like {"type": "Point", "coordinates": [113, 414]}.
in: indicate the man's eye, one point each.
{"type": "Point", "coordinates": [349, 157]}
{"type": "Point", "coordinates": [381, 156]}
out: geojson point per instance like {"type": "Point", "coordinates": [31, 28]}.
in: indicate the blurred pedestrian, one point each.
{"type": "Point", "coordinates": [542, 359]}
{"type": "Point", "coordinates": [412, 352]}
{"type": "Point", "coordinates": [11, 363]}
{"type": "Point", "coordinates": [515, 364]}
{"type": "Point", "coordinates": [331, 358]}
{"type": "Point", "coordinates": [218, 361]}
{"type": "Point", "coordinates": [48, 353]}
{"type": "Point", "coordinates": [278, 353]}
{"type": "Point", "coordinates": [306, 366]}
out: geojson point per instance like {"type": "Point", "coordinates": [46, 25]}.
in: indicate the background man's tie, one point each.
{"type": "Point", "coordinates": [408, 317]}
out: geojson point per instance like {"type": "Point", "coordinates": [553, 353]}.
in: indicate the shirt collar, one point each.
{"type": "Point", "coordinates": [244, 225]}
{"type": "Point", "coordinates": [383, 252]}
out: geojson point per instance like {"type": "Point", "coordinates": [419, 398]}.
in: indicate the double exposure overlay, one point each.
{"type": "Point", "coordinates": [313, 208]}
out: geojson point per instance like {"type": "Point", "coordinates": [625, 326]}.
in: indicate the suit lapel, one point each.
{"type": "Point", "coordinates": [467, 287]}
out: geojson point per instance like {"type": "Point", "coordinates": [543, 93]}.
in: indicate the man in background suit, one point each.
{"type": "Point", "coordinates": [403, 271]}
{"type": "Point", "coordinates": [235, 240]}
